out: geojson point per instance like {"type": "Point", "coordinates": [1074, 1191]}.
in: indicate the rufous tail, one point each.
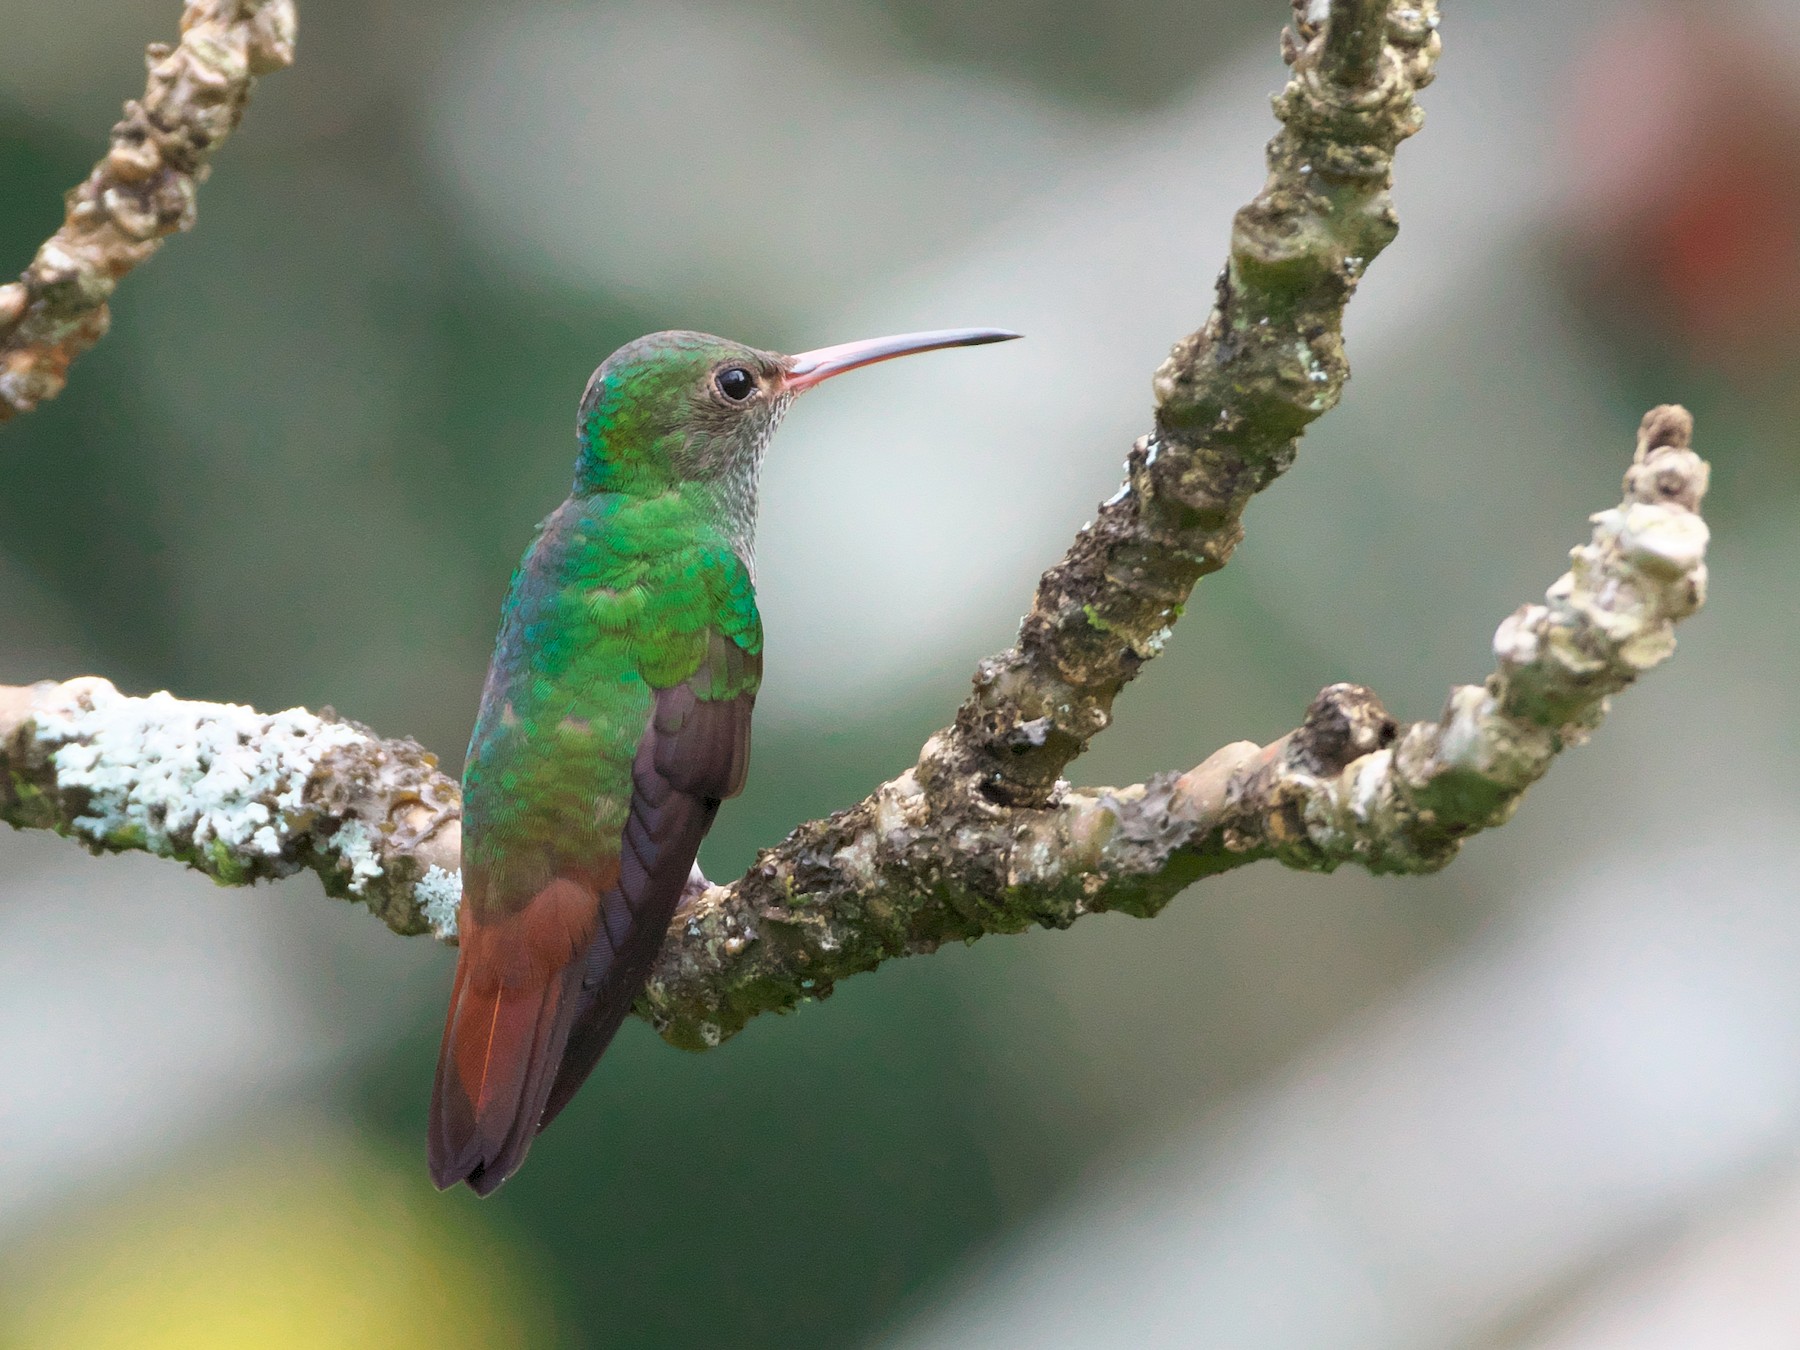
{"type": "Point", "coordinates": [515, 995]}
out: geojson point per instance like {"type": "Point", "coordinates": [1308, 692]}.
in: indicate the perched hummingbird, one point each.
{"type": "Point", "coordinates": [615, 718]}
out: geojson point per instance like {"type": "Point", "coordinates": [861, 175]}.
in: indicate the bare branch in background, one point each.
{"type": "Point", "coordinates": [140, 193]}
{"type": "Point", "coordinates": [982, 835]}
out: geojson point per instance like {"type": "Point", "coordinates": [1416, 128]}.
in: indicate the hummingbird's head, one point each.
{"type": "Point", "coordinates": [675, 408]}
{"type": "Point", "coordinates": [678, 408]}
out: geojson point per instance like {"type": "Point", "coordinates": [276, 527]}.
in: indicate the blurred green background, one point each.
{"type": "Point", "coordinates": [301, 466]}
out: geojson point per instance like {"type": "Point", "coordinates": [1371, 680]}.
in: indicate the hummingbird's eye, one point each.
{"type": "Point", "coordinates": [736, 383]}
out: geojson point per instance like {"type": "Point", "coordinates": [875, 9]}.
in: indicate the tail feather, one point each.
{"type": "Point", "coordinates": [511, 1008]}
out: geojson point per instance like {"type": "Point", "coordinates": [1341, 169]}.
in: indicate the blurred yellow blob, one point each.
{"type": "Point", "coordinates": [308, 1244]}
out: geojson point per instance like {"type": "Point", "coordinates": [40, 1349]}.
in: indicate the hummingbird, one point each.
{"type": "Point", "coordinates": [614, 720]}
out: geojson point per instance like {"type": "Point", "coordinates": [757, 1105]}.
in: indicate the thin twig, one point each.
{"type": "Point", "coordinates": [140, 193]}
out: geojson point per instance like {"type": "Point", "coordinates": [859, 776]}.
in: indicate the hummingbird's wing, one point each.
{"type": "Point", "coordinates": [694, 753]}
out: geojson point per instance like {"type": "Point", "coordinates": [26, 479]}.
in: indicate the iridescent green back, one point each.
{"type": "Point", "coordinates": [617, 597]}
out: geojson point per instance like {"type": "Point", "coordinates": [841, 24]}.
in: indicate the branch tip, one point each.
{"type": "Point", "coordinates": [140, 192]}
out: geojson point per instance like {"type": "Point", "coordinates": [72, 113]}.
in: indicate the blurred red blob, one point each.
{"type": "Point", "coordinates": [1686, 220]}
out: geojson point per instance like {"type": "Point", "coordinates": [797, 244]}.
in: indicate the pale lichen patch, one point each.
{"type": "Point", "coordinates": [181, 775]}
{"type": "Point", "coordinates": [1368, 777]}
{"type": "Point", "coordinates": [1664, 541]}
{"type": "Point", "coordinates": [439, 896]}
{"type": "Point", "coordinates": [857, 858]}
{"type": "Point", "coordinates": [355, 844]}
{"type": "Point", "coordinates": [240, 795]}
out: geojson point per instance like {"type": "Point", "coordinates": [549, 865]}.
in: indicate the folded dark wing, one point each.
{"type": "Point", "coordinates": [694, 753]}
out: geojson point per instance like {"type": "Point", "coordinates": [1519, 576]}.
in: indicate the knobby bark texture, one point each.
{"type": "Point", "coordinates": [918, 864]}
{"type": "Point", "coordinates": [141, 192]}
{"type": "Point", "coordinates": [1231, 401]}
{"type": "Point", "coordinates": [982, 835]}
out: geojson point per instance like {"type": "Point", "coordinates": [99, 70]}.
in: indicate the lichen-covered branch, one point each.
{"type": "Point", "coordinates": [141, 192]}
{"type": "Point", "coordinates": [244, 796]}
{"type": "Point", "coordinates": [1231, 400]}
{"type": "Point", "coordinates": [240, 795]}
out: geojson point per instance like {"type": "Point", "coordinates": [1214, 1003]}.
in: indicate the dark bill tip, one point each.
{"type": "Point", "coordinates": [810, 368]}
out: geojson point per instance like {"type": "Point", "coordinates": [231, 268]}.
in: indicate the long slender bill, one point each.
{"type": "Point", "coordinates": [810, 368]}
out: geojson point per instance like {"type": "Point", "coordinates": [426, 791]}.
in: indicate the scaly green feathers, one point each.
{"type": "Point", "coordinates": [616, 598]}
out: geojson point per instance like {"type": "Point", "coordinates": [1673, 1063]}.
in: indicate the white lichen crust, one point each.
{"type": "Point", "coordinates": [439, 897]}
{"type": "Point", "coordinates": [238, 794]}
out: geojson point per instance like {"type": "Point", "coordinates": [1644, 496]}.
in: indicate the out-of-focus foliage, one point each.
{"type": "Point", "coordinates": [300, 1240]}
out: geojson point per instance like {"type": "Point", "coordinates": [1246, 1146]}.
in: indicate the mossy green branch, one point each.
{"type": "Point", "coordinates": [907, 869]}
